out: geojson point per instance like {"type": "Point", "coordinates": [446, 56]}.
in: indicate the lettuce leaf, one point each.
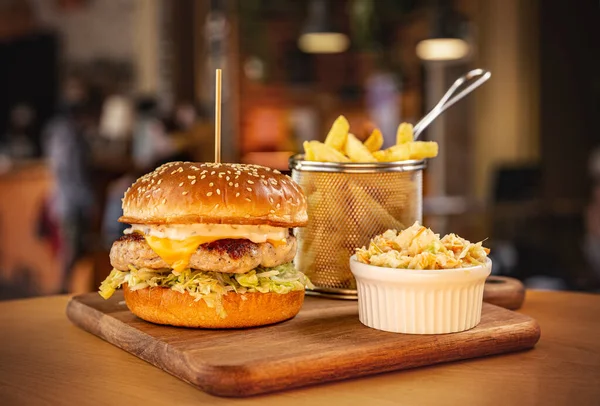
{"type": "Point", "coordinates": [209, 286]}
{"type": "Point", "coordinates": [112, 283]}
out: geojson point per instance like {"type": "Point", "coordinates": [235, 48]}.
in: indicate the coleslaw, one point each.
{"type": "Point", "coordinates": [417, 247]}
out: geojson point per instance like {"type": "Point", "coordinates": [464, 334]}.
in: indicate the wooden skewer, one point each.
{"type": "Point", "coordinates": [218, 117]}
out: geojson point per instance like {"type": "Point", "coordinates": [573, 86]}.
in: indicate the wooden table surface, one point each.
{"type": "Point", "coordinates": [44, 359]}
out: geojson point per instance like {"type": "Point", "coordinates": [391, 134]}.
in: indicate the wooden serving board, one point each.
{"type": "Point", "coordinates": [325, 342]}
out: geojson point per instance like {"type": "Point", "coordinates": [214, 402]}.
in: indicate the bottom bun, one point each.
{"type": "Point", "coordinates": [166, 306]}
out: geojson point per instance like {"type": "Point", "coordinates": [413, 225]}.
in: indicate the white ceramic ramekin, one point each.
{"type": "Point", "coordinates": [419, 301]}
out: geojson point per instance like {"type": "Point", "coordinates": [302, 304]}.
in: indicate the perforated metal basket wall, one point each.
{"type": "Point", "coordinates": [348, 203]}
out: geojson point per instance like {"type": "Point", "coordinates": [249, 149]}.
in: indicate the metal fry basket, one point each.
{"type": "Point", "coordinates": [349, 203]}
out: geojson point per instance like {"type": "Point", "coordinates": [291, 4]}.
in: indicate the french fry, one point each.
{"type": "Point", "coordinates": [380, 155]}
{"type": "Point", "coordinates": [338, 133]}
{"type": "Point", "coordinates": [397, 204]}
{"type": "Point", "coordinates": [341, 146]}
{"type": "Point", "coordinates": [361, 201]}
{"type": "Point", "coordinates": [375, 141]}
{"type": "Point", "coordinates": [395, 153]}
{"type": "Point", "coordinates": [326, 153]}
{"type": "Point", "coordinates": [356, 150]}
{"type": "Point", "coordinates": [404, 134]}
{"type": "Point", "coordinates": [309, 155]}
{"type": "Point", "coordinates": [423, 149]}
{"type": "Point", "coordinates": [326, 228]}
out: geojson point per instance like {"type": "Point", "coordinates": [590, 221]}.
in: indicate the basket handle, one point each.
{"type": "Point", "coordinates": [478, 75]}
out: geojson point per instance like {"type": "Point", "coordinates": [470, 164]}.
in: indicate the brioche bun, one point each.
{"type": "Point", "coordinates": [188, 192]}
{"type": "Point", "coordinates": [165, 306]}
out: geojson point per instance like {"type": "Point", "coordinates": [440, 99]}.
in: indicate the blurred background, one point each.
{"type": "Point", "coordinates": [94, 93]}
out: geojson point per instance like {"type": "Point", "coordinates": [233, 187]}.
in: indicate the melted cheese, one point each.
{"type": "Point", "coordinates": [175, 244]}
{"type": "Point", "coordinates": [176, 253]}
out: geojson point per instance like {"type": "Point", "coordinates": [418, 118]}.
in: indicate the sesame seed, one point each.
{"type": "Point", "coordinates": [191, 177]}
{"type": "Point", "coordinates": [211, 184]}
{"type": "Point", "coordinates": [159, 182]}
{"type": "Point", "coordinates": [164, 201]}
{"type": "Point", "coordinates": [277, 172]}
{"type": "Point", "coordinates": [278, 205]}
{"type": "Point", "coordinates": [194, 181]}
{"type": "Point", "coordinates": [248, 200]}
{"type": "Point", "coordinates": [181, 184]}
{"type": "Point", "coordinates": [213, 172]}
{"type": "Point", "coordinates": [230, 183]}
{"type": "Point", "coordinates": [264, 181]}
{"type": "Point", "coordinates": [203, 176]}
{"type": "Point", "coordinates": [271, 211]}
{"type": "Point", "coordinates": [250, 182]}
{"type": "Point", "coordinates": [236, 185]}
{"type": "Point", "coordinates": [209, 194]}
{"type": "Point", "coordinates": [180, 169]}
{"type": "Point", "coordinates": [270, 199]}
{"type": "Point", "coordinates": [218, 191]}
{"type": "Point", "coordinates": [273, 181]}
{"type": "Point", "coordinates": [249, 189]}
{"type": "Point", "coordinates": [184, 193]}
{"type": "Point", "coordinates": [173, 173]}
{"type": "Point", "coordinates": [227, 178]}
{"type": "Point", "coordinates": [237, 194]}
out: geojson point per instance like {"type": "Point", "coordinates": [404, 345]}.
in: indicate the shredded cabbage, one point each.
{"type": "Point", "coordinates": [209, 286]}
{"type": "Point", "coordinates": [418, 247]}
{"type": "Point", "coordinates": [114, 280]}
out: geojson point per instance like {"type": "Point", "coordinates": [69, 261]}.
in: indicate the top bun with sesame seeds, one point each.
{"type": "Point", "coordinates": [191, 193]}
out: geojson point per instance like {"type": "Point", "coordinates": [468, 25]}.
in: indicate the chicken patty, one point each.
{"type": "Point", "coordinates": [228, 255]}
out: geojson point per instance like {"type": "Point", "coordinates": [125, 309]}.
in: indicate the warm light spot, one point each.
{"type": "Point", "coordinates": [442, 49]}
{"type": "Point", "coordinates": [323, 42]}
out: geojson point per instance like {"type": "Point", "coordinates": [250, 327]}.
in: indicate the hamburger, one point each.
{"type": "Point", "coordinates": [210, 245]}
